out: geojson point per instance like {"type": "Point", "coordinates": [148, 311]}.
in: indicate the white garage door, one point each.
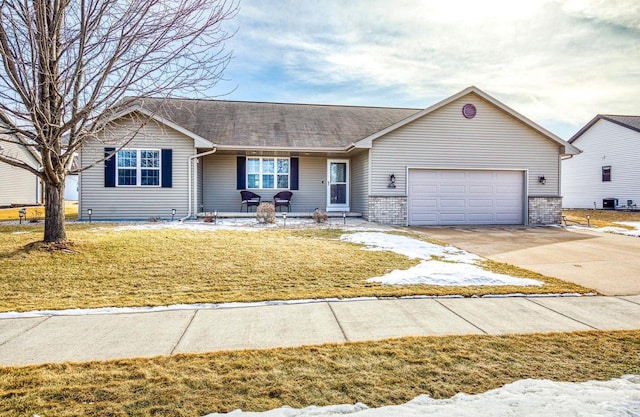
{"type": "Point", "coordinates": [452, 197]}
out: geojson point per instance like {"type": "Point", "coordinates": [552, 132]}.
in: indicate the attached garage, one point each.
{"type": "Point", "coordinates": [465, 197]}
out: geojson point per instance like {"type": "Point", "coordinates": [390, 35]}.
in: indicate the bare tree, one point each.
{"type": "Point", "coordinates": [68, 65]}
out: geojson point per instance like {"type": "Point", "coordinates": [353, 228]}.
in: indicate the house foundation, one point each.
{"type": "Point", "coordinates": [391, 210]}
{"type": "Point", "coordinates": [545, 210]}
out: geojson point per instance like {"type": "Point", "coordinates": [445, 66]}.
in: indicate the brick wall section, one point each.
{"type": "Point", "coordinates": [545, 210]}
{"type": "Point", "coordinates": [388, 210]}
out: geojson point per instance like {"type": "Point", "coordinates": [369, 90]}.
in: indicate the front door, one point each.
{"type": "Point", "coordinates": [338, 185]}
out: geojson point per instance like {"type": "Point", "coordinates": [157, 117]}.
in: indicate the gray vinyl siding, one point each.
{"type": "Point", "coordinates": [18, 186]}
{"type": "Point", "coordinates": [220, 192]}
{"type": "Point", "coordinates": [604, 144]}
{"type": "Point", "coordinates": [360, 183]}
{"type": "Point", "coordinates": [135, 203]}
{"type": "Point", "coordinates": [444, 139]}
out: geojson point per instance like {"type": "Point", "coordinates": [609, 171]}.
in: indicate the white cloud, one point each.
{"type": "Point", "coordinates": [557, 62]}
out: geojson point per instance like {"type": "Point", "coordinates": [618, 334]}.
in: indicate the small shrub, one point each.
{"type": "Point", "coordinates": [320, 216]}
{"type": "Point", "coordinates": [266, 213]}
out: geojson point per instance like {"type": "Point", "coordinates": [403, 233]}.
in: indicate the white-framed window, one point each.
{"type": "Point", "coordinates": [268, 173]}
{"type": "Point", "coordinates": [138, 167]}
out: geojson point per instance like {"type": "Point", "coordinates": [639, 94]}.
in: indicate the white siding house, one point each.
{"type": "Point", "coordinates": [608, 167]}
{"type": "Point", "coordinates": [18, 186]}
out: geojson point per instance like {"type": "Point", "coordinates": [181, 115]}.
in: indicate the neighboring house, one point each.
{"type": "Point", "coordinates": [468, 159]}
{"type": "Point", "coordinates": [608, 168]}
{"type": "Point", "coordinates": [18, 186]}
{"type": "Point", "coordinates": [71, 182]}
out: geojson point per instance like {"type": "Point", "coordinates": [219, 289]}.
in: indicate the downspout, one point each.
{"type": "Point", "coordinates": [189, 175]}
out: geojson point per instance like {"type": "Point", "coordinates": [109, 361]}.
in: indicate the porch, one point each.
{"type": "Point", "coordinates": [290, 215]}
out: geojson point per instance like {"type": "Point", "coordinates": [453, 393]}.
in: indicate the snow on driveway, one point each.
{"type": "Point", "coordinates": [439, 265]}
{"type": "Point", "coordinates": [528, 397]}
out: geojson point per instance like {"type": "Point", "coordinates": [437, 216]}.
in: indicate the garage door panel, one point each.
{"type": "Point", "coordinates": [452, 218]}
{"type": "Point", "coordinates": [452, 189]}
{"type": "Point", "coordinates": [481, 218]}
{"type": "Point", "coordinates": [424, 203]}
{"type": "Point", "coordinates": [452, 197]}
{"type": "Point", "coordinates": [481, 203]}
{"type": "Point", "coordinates": [480, 189]}
{"type": "Point", "coordinates": [508, 204]}
{"type": "Point", "coordinates": [447, 203]}
{"type": "Point", "coordinates": [424, 189]}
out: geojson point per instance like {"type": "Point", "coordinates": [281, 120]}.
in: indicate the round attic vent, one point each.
{"type": "Point", "coordinates": [469, 111]}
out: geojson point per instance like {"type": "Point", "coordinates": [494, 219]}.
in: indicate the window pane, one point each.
{"type": "Point", "coordinates": [268, 166]}
{"type": "Point", "coordinates": [126, 176]}
{"type": "Point", "coordinates": [127, 158]}
{"type": "Point", "coordinates": [267, 181]}
{"type": "Point", "coordinates": [338, 172]}
{"type": "Point", "coordinates": [283, 181]}
{"type": "Point", "coordinates": [283, 166]}
{"type": "Point", "coordinates": [150, 159]}
{"type": "Point", "coordinates": [253, 165]}
{"type": "Point", "coordinates": [338, 194]}
{"type": "Point", "coordinates": [606, 173]}
{"type": "Point", "coordinates": [150, 177]}
{"type": "Point", "coordinates": [253, 181]}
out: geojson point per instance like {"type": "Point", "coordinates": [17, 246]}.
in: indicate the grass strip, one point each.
{"type": "Point", "coordinates": [35, 214]}
{"type": "Point", "coordinates": [109, 267]}
{"type": "Point", "coordinates": [602, 218]}
{"type": "Point", "coordinates": [375, 373]}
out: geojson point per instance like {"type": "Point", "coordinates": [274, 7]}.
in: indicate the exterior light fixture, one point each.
{"type": "Point", "coordinates": [542, 180]}
{"type": "Point", "coordinates": [22, 213]}
{"type": "Point", "coordinates": [392, 181]}
{"type": "Point", "coordinates": [215, 216]}
{"type": "Point", "coordinates": [173, 214]}
{"type": "Point", "coordinates": [89, 213]}
{"type": "Point", "coordinates": [344, 217]}
{"type": "Point", "coordinates": [284, 217]}
{"type": "Point", "coordinates": [588, 220]}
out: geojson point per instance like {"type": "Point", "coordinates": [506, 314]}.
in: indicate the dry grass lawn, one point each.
{"type": "Point", "coordinates": [603, 218]}
{"type": "Point", "coordinates": [110, 267]}
{"type": "Point", "coordinates": [34, 214]}
{"type": "Point", "coordinates": [378, 373]}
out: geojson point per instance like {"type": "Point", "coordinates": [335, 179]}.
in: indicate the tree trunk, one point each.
{"type": "Point", "coordinates": [54, 226]}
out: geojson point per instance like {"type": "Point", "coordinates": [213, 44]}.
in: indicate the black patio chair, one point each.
{"type": "Point", "coordinates": [283, 199]}
{"type": "Point", "coordinates": [249, 199]}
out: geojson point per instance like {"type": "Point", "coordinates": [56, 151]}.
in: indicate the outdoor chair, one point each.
{"type": "Point", "coordinates": [249, 199]}
{"type": "Point", "coordinates": [283, 199]}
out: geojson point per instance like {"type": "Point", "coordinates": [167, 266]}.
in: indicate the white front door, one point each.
{"type": "Point", "coordinates": [338, 185]}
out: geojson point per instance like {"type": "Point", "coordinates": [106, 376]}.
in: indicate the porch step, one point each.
{"type": "Point", "coordinates": [291, 215]}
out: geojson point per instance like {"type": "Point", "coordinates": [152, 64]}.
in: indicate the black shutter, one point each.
{"type": "Point", "coordinates": [167, 168]}
{"type": "Point", "coordinates": [241, 179]}
{"type": "Point", "coordinates": [295, 162]}
{"type": "Point", "coordinates": [109, 168]}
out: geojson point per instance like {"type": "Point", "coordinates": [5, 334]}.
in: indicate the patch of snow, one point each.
{"type": "Point", "coordinates": [528, 397]}
{"type": "Point", "coordinates": [440, 265]}
{"type": "Point", "coordinates": [615, 230]}
{"type": "Point", "coordinates": [448, 274]}
{"type": "Point", "coordinates": [409, 247]}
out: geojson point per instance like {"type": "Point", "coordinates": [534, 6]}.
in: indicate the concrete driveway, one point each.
{"type": "Point", "coordinates": [607, 263]}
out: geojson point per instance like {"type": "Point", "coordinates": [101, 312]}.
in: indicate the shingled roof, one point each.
{"type": "Point", "coordinates": [630, 122]}
{"type": "Point", "coordinates": [276, 125]}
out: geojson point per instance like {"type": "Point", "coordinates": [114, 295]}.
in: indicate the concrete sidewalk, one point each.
{"type": "Point", "coordinates": [26, 341]}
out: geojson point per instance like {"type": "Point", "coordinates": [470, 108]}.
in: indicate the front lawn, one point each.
{"type": "Point", "coordinates": [374, 373]}
{"type": "Point", "coordinates": [108, 266]}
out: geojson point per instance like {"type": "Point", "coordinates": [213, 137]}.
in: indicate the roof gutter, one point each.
{"type": "Point", "coordinates": [195, 181]}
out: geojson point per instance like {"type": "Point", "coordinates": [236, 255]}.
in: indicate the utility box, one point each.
{"type": "Point", "coordinates": [609, 203]}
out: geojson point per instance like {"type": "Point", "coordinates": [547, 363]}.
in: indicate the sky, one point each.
{"type": "Point", "coordinates": [557, 62]}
